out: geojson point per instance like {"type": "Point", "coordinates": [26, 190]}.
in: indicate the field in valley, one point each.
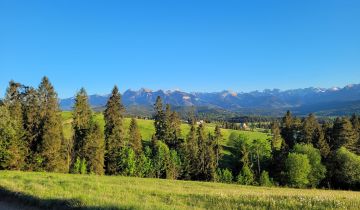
{"type": "Point", "coordinates": [147, 128]}
{"type": "Point", "coordinates": [68, 191]}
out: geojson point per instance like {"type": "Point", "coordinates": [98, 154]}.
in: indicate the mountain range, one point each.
{"type": "Point", "coordinates": [322, 101]}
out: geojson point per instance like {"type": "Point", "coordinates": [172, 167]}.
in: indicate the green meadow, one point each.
{"type": "Point", "coordinates": [147, 128]}
{"type": "Point", "coordinates": [70, 191]}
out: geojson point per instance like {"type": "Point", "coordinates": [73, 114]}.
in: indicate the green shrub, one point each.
{"type": "Point", "coordinates": [246, 176]}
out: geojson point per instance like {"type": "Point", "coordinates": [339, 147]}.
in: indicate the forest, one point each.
{"type": "Point", "coordinates": [302, 152]}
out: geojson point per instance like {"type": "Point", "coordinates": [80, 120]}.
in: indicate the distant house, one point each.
{"type": "Point", "coordinates": [244, 126]}
{"type": "Point", "coordinates": [200, 122]}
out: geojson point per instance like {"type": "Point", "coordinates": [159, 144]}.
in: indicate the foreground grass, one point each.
{"type": "Point", "coordinates": [51, 190]}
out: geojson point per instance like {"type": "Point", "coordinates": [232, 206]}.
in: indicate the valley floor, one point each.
{"type": "Point", "coordinates": [66, 191]}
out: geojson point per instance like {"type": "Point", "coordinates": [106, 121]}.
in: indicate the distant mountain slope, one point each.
{"type": "Point", "coordinates": [332, 101]}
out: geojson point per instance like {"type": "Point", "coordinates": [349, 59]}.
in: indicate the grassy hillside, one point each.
{"type": "Point", "coordinates": [147, 128]}
{"type": "Point", "coordinates": [104, 192]}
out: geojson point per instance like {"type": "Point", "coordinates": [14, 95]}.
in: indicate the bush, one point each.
{"type": "Point", "coordinates": [246, 176]}
{"type": "Point", "coordinates": [83, 166]}
{"type": "Point", "coordinates": [265, 179]}
{"type": "Point", "coordinates": [224, 175]}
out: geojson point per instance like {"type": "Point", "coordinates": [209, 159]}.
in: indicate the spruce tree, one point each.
{"type": "Point", "coordinates": [217, 144]}
{"type": "Point", "coordinates": [11, 144]}
{"type": "Point", "coordinates": [135, 139]}
{"type": "Point", "coordinates": [191, 153]}
{"type": "Point", "coordinates": [51, 128]}
{"type": "Point", "coordinates": [82, 121]}
{"type": "Point", "coordinates": [355, 120]}
{"type": "Point", "coordinates": [276, 141]}
{"type": "Point", "coordinates": [114, 131]}
{"type": "Point", "coordinates": [13, 100]}
{"type": "Point", "coordinates": [321, 143]}
{"type": "Point", "coordinates": [344, 134]}
{"type": "Point", "coordinates": [287, 130]}
{"type": "Point", "coordinates": [206, 163]}
{"type": "Point", "coordinates": [202, 150]}
{"type": "Point", "coordinates": [159, 119]}
{"type": "Point", "coordinates": [17, 145]}
{"type": "Point", "coordinates": [175, 127]}
{"type": "Point", "coordinates": [32, 122]}
{"type": "Point", "coordinates": [95, 149]}
{"type": "Point", "coordinates": [309, 125]}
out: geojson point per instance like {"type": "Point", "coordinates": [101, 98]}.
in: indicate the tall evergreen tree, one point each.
{"type": "Point", "coordinates": [17, 145]}
{"type": "Point", "coordinates": [344, 134]}
{"type": "Point", "coordinates": [95, 149]}
{"type": "Point", "coordinates": [355, 120]}
{"type": "Point", "coordinates": [11, 144]}
{"type": "Point", "coordinates": [321, 142]}
{"type": "Point", "coordinates": [51, 128]}
{"type": "Point", "coordinates": [13, 100]}
{"type": "Point", "coordinates": [114, 131]}
{"type": "Point", "coordinates": [135, 137]}
{"type": "Point", "coordinates": [287, 130]}
{"type": "Point", "coordinates": [32, 122]}
{"type": "Point", "coordinates": [206, 167]}
{"type": "Point", "coordinates": [309, 126]}
{"type": "Point", "coordinates": [191, 153]}
{"type": "Point", "coordinates": [175, 130]}
{"type": "Point", "coordinates": [217, 144]}
{"type": "Point", "coordinates": [276, 141]}
{"type": "Point", "coordinates": [82, 120]}
{"type": "Point", "coordinates": [159, 119]}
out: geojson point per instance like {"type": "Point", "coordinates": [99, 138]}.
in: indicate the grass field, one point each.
{"type": "Point", "coordinates": [50, 190]}
{"type": "Point", "coordinates": [147, 128]}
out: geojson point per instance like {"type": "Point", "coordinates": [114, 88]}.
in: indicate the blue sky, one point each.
{"type": "Point", "coordinates": [180, 44]}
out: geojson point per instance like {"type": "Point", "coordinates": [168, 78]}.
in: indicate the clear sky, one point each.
{"type": "Point", "coordinates": [180, 44]}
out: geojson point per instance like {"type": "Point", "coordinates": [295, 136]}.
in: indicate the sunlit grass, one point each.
{"type": "Point", "coordinates": [117, 192]}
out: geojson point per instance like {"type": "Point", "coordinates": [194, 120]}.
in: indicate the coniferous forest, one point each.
{"type": "Point", "coordinates": [302, 152]}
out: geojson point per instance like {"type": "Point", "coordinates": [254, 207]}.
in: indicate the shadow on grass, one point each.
{"type": "Point", "coordinates": [55, 204]}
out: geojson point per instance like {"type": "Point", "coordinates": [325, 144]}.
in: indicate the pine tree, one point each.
{"type": "Point", "coordinates": [287, 130]}
{"type": "Point", "coordinates": [168, 134]}
{"type": "Point", "coordinates": [327, 128]}
{"type": "Point", "coordinates": [135, 137]}
{"type": "Point", "coordinates": [175, 130]}
{"type": "Point", "coordinates": [191, 153]}
{"type": "Point", "coordinates": [321, 143]}
{"type": "Point", "coordinates": [344, 134]}
{"type": "Point", "coordinates": [11, 146]}
{"type": "Point", "coordinates": [276, 141]}
{"type": "Point", "coordinates": [355, 120]}
{"type": "Point", "coordinates": [12, 100]}
{"type": "Point", "coordinates": [51, 128]}
{"type": "Point", "coordinates": [95, 149]}
{"type": "Point", "coordinates": [201, 156]}
{"type": "Point", "coordinates": [217, 145]}
{"type": "Point", "coordinates": [16, 143]}
{"type": "Point", "coordinates": [82, 120]}
{"type": "Point", "coordinates": [309, 125]}
{"type": "Point", "coordinates": [159, 119]}
{"type": "Point", "coordinates": [206, 165]}
{"type": "Point", "coordinates": [31, 120]}
{"type": "Point", "coordinates": [210, 159]}
{"type": "Point", "coordinates": [114, 131]}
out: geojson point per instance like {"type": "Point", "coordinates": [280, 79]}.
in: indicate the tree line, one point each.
{"type": "Point", "coordinates": [300, 152]}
